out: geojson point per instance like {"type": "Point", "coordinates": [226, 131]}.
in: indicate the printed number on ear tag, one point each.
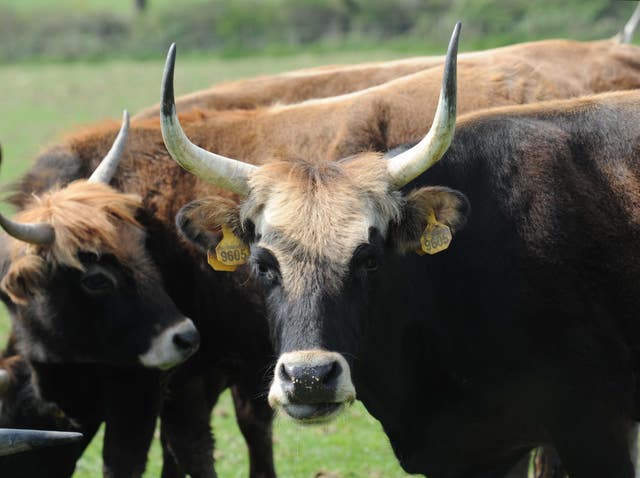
{"type": "Point", "coordinates": [435, 238]}
{"type": "Point", "coordinates": [229, 253]}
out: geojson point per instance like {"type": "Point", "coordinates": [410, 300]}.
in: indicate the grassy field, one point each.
{"type": "Point", "coordinates": [41, 103]}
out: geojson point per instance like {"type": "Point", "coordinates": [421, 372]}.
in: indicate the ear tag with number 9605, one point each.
{"type": "Point", "coordinates": [229, 253]}
{"type": "Point", "coordinates": [436, 237]}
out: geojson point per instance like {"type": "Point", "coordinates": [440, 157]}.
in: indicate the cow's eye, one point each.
{"type": "Point", "coordinates": [265, 265]}
{"type": "Point", "coordinates": [370, 263]}
{"type": "Point", "coordinates": [267, 272]}
{"type": "Point", "coordinates": [97, 282]}
{"type": "Point", "coordinates": [365, 258]}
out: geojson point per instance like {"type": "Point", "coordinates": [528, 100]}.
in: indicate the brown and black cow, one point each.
{"type": "Point", "coordinates": [87, 303]}
{"type": "Point", "coordinates": [124, 244]}
{"type": "Point", "coordinates": [521, 331]}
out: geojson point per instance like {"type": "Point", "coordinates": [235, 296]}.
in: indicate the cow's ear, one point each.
{"type": "Point", "coordinates": [201, 221]}
{"type": "Point", "coordinates": [26, 275]}
{"type": "Point", "coordinates": [447, 206]}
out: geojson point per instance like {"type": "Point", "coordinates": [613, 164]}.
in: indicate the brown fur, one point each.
{"type": "Point", "coordinates": [323, 82]}
{"type": "Point", "coordinates": [381, 117]}
{"type": "Point", "coordinates": [87, 217]}
{"type": "Point", "coordinates": [401, 110]}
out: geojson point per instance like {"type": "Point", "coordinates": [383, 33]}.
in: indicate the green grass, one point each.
{"type": "Point", "coordinates": [42, 102]}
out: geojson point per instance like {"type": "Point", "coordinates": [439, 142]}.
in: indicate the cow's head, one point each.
{"type": "Point", "coordinates": [320, 233]}
{"type": "Point", "coordinates": [80, 284]}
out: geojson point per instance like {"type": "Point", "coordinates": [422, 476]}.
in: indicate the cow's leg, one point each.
{"type": "Point", "coordinates": [185, 425]}
{"type": "Point", "coordinates": [590, 446]}
{"type": "Point", "coordinates": [170, 467]}
{"type": "Point", "coordinates": [255, 416]}
{"type": "Point", "coordinates": [132, 404]}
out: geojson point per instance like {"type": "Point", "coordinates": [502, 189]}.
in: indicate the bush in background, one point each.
{"type": "Point", "coordinates": [241, 27]}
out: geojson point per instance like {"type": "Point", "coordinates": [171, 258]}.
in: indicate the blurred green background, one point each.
{"type": "Point", "coordinates": [71, 62]}
{"type": "Point", "coordinates": [97, 29]}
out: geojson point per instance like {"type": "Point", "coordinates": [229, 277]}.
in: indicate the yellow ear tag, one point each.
{"type": "Point", "coordinates": [230, 252]}
{"type": "Point", "coordinates": [216, 265]}
{"type": "Point", "coordinates": [436, 236]}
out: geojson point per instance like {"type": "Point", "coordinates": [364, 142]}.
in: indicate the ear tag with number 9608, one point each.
{"type": "Point", "coordinates": [229, 253]}
{"type": "Point", "coordinates": [436, 237]}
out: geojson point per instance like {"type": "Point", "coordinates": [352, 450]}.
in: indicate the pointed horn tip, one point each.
{"type": "Point", "coordinates": [455, 36]}
{"type": "Point", "coordinates": [40, 233]}
{"type": "Point", "coordinates": [22, 440]}
{"type": "Point", "coordinates": [126, 120]}
{"type": "Point", "coordinates": [449, 81]}
{"type": "Point", "coordinates": [168, 96]}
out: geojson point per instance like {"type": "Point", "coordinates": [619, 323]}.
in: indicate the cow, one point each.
{"type": "Point", "coordinates": [522, 333]}
{"type": "Point", "coordinates": [256, 135]}
{"type": "Point", "coordinates": [235, 354]}
{"type": "Point", "coordinates": [608, 57]}
{"type": "Point", "coordinates": [86, 301]}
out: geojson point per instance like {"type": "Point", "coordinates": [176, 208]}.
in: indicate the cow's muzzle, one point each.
{"type": "Point", "coordinates": [311, 385]}
{"type": "Point", "coordinates": [172, 346]}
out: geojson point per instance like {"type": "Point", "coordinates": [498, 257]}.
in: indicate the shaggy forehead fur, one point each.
{"type": "Point", "coordinates": [312, 216]}
{"type": "Point", "coordinates": [87, 217]}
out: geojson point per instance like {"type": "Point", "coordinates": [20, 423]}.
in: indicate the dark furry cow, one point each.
{"type": "Point", "coordinates": [523, 333]}
{"type": "Point", "coordinates": [21, 407]}
{"type": "Point", "coordinates": [95, 382]}
{"type": "Point", "coordinates": [85, 301]}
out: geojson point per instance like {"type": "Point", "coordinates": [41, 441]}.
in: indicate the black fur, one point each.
{"type": "Point", "coordinates": [524, 332]}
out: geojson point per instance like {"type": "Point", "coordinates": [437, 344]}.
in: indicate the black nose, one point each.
{"type": "Point", "coordinates": [310, 383]}
{"type": "Point", "coordinates": [187, 340]}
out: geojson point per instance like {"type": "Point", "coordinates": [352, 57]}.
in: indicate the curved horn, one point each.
{"type": "Point", "coordinates": [16, 441]}
{"type": "Point", "coordinates": [412, 163]}
{"type": "Point", "coordinates": [107, 167]}
{"type": "Point", "coordinates": [34, 233]}
{"type": "Point", "coordinates": [219, 170]}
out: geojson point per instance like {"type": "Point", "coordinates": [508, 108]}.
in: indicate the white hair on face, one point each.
{"type": "Point", "coordinates": [163, 353]}
{"type": "Point", "coordinates": [313, 216]}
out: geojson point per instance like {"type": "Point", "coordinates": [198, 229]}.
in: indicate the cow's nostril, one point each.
{"type": "Point", "coordinates": [332, 373]}
{"type": "Point", "coordinates": [310, 375]}
{"type": "Point", "coordinates": [187, 340]}
{"type": "Point", "coordinates": [327, 373]}
{"type": "Point", "coordinates": [286, 373]}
